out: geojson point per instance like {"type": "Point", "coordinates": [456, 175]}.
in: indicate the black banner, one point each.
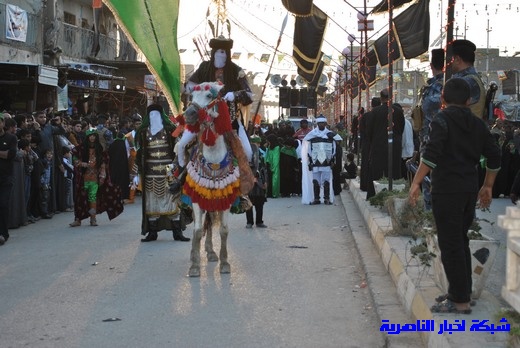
{"type": "Point", "coordinates": [308, 37]}
{"type": "Point", "coordinates": [298, 7]}
{"type": "Point", "coordinates": [412, 28]}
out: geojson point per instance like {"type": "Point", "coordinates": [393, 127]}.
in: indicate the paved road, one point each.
{"type": "Point", "coordinates": [296, 284]}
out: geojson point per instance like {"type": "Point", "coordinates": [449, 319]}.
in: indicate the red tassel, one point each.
{"type": "Point", "coordinates": [208, 137]}
{"type": "Point", "coordinates": [223, 120]}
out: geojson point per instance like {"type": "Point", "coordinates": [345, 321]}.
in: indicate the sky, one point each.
{"type": "Point", "coordinates": [256, 24]}
{"type": "Point", "coordinates": [264, 19]}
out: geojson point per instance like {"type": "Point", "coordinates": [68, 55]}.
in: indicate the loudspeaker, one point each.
{"type": "Point", "coordinates": [295, 97]}
{"type": "Point", "coordinates": [298, 112]}
{"type": "Point", "coordinates": [284, 97]}
{"type": "Point", "coordinates": [303, 96]}
{"type": "Point", "coordinates": [311, 99]}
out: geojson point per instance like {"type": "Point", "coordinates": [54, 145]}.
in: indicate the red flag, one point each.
{"type": "Point", "coordinates": [97, 3]}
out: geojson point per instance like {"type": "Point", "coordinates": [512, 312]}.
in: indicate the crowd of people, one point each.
{"type": "Point", "coordinates": [39, 174]}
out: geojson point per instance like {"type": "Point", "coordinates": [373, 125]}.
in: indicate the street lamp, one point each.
{"type": "Point", "coordinates": [357, 141]}
{"type": "Point", "coordinates": [346, 53]}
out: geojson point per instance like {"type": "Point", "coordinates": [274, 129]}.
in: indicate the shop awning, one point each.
{"type": "Point", "coordinates": [22, 73]}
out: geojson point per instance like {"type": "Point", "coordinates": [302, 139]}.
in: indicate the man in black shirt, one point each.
{"type": "Point", "coordinates": [458, 139]}
{"type": "Point", "coordinates": [8, 148]}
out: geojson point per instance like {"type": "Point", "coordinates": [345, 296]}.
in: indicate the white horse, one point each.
{"type": "Point", "coordinates": [213, 181]}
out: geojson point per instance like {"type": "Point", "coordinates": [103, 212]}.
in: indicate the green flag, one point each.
{"type": "Point", "coordinates": [152, 26]}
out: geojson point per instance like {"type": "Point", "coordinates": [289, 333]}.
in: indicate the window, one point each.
{"type": "Point", "coordinates": [69, 18]}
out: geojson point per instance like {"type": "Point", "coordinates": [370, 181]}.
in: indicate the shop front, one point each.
{"type": "Point", "coordinates": [27, 87]}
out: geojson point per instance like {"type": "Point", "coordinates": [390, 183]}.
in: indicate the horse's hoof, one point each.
{"type": "Point", "coordinates": [212, 257]}
{"type": "Point", "coordinates": [225, 268]}
{"type": "Point", "coordinates": [194, 272]}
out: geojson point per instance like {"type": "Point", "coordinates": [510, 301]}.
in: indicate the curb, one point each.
{"type": "Point", "coordinates": [412, 298]}
{"type": "Point", "coordinates": [387, 304]}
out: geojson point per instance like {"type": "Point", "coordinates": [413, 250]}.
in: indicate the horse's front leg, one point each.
{"type": "Point", "coordinates": [195, 242]}
{"type": "Point", "coordinates": [208, 244]}
{"type": "Point", "coordinates": [224, 265]}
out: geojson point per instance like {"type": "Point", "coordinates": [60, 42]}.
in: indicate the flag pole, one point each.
{"type": "Point", "coordinates": [272, 61]}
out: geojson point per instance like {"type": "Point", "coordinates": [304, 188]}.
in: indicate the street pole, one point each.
{"type": "Point", "coordinates": [449, 39]}
{"type": "Point", "coordinates": [390, 98]}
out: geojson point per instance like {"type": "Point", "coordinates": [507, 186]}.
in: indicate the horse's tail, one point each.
{"type": "Point", "coordinates": [208, 223]}
{"type": "Point", "coordinates": [246, 175]}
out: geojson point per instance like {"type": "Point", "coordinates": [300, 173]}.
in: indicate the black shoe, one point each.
{"type": "Point", "coordinates": [315, 203]}
{"type": "Point", "coordinates": [46, 216]}
{"type": "Point", "coordinates": [180, 237]}
{"type": "Point", "coordinates": [150, 237]}
{"type": "Point", "coordinates": [177, 232]}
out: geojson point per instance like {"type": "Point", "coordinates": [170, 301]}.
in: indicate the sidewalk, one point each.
{"type": "Point", "coordinates": [416, 292]}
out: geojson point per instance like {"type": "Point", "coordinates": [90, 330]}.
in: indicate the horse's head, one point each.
{"type": "Point", "coordinates": [202, 96]}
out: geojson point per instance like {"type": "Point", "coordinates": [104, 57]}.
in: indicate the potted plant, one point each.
{"type": "Point", "coordinates": [483, 250]}
{"type": "Point", "coordinates": [382, 184]}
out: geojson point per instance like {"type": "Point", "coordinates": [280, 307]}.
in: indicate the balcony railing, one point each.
{"type": "Point", "coordinates": [78, 43]}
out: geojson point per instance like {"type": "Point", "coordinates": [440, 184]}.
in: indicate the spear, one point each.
{"type": "Point", "coordinates": [272, 61]}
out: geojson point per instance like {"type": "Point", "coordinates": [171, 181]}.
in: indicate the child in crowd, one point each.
{"type": "Point", "coordinates": [68, 174]}
{"type": "Point", "coordinates": [350, 167]}
{"type": "Point", "coordinates": [258, 193]}
{"type": "Point", "coordinates": [45, 184]}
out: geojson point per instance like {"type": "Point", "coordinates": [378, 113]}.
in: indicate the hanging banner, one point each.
{"type": "Point", "coordinates": [298, 7]}
{"type": "Point", "coordinates": [412, 28]}
{"type": "Point", "coordinates": [16, 23]}
{"type": "Point", "coordinates": [152, 28]}
{"type": "Point", "coordinates": [308, 38]}
{"type": "Point", "coordinates": [62, 98]}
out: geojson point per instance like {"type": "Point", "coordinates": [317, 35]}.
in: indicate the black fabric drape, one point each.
{"type": "Point", "coordinates": [313, 79]}
{"type": "Point", "coordinates": [412, 28]}
{"type": "Point", "coordinates": [308, 37]}
{"type": "Point", "coordinates": [298, 7]}
{"type": "Point", "coordinates": [381, 48]}
{"type": "Point", "coordinates": [383, 5]}
{"type": "Point", "coordinates": [371, 67]}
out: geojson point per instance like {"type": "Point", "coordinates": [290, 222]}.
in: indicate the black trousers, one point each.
{"type": "Point", "coordinates": [259, 209]}
{"type": "Point", "coordinates": [454, 213]}
{"type": "Point", "coordinates": [6, 186]}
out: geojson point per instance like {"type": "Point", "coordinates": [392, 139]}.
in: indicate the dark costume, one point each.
{"type": "Point", "coordinates": [288, 168]}
{"type": "Point", "coordinates": [155, 152]}
{"type": "Point", "coordinates": [7, 143]}
{"type": "Point", "coordinates": [108, 197]}
{"type": "Point", "coordinates": [258, 193]}
{"type": "Point", "coordinates": [231, 75]}
{"type": "Point", "coordinates": [457, 140]}
{"type": "Point", "coordinates": [119, 172]}
{"type": "Point", "coordinates": [377, 139]}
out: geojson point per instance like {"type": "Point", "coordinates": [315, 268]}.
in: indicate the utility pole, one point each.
{"type": "Point", "coordinates": [488, 29]}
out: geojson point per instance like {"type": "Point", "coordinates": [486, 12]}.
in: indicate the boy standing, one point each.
{"type": "Point", "coordinates": [457, 141]}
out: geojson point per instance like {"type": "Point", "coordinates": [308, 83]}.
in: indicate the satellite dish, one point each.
{"type": "Point", "coordinates": [276, 80]}
{"type": "Point", "coordinates": [323, 80]}
{"type": "Point", "coordinates": [300, 81]}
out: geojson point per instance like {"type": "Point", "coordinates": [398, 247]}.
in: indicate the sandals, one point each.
{"type": "Point", "coordinates": [447, 306]}
{"type": "Point", "coordinates": [444, 297]}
